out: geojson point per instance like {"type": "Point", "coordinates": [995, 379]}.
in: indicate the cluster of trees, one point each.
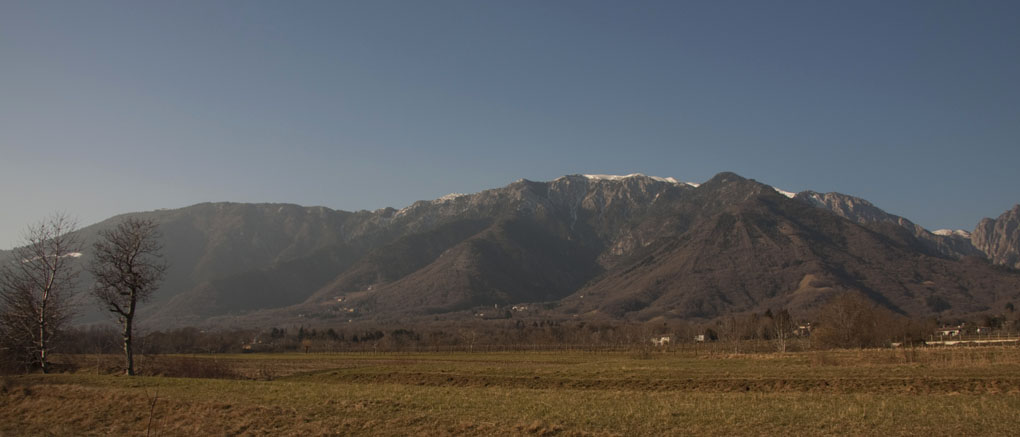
{"type": "Point", "coordinates": [851, 320]}
{"type": "Point", "coordinates": [848, 321]}
{"type": "Point", "coordinates": [38, 280]}
{"type": "Point", "coordinates": [773, 326]}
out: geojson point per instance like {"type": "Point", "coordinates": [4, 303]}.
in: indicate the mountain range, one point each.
{"type": "Point", "coordinates": [581, 246]}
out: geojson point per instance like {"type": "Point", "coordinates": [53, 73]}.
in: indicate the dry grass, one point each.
{"type": "Point", "coordinates": [967, 391]}
{"type": "Point", "coordinates": [188, 367]}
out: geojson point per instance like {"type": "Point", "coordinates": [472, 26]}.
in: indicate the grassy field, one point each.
{"type": "Point", "coordinates": [971, 391]}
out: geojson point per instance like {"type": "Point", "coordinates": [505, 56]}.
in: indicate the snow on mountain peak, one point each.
{"type": "Point", "coordinates": [789, 194]}
{"type": "Point", "coordinates": [451, 196]}
{"type": "Point", "coordinates": [951, 232]}
{"type": "Point", "coordinates": [609, 177]}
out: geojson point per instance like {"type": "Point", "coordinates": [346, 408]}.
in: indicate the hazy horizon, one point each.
{"type": "Point", "coordinates": [115, 107]}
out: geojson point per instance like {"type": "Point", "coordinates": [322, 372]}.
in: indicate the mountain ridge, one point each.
{"type": "Point", "coordinates": [595, 246]}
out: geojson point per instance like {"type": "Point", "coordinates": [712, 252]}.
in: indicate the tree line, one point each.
{"type": "Point", "coordinates": [848, 321]}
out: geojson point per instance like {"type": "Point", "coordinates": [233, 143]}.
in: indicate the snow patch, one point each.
{"type": "Point", "coordinates": [951, 232]}
{"type": "Point", "coordinates": [611, 177]}
{"type": "Point", "coordinates": [789, 194]}
{"type": "Point", "coordinates": [451, 196]}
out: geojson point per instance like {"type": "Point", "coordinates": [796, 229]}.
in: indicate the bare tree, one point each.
{"type": "Point", "coordinates": [36, 286]}
{"type": "Point", "coordinates": [851, 320]}
{"type": "Point", "coordinates": [128, 267]}
{"type": "Point", "coordinates": [782, 326]}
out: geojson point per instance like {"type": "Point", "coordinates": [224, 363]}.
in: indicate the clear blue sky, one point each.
{"type": "Point", "coordinates": [112, 107]}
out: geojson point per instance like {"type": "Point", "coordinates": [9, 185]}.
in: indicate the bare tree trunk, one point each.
{"type": "Point", "coordinates": [128, 352]}
{"type": "Point", "coordinates": [44, 317]}
{"type": "Point", "coordinates": [782, 323]}
{"type": "Point", "coordinates": [42, 335]}
{"type": "Point", "coordinates": [129, 334]}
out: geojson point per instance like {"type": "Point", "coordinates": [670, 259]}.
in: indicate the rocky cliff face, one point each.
{"type": "Point", "coordinates": [949, 244]}
{"type": "Point", "coordinates": [854, 209]}
{"type": "Point", "coordinates": [1000, 238]}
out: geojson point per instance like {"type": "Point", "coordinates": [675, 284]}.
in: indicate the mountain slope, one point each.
{"type": "Point", "coordinates": [212, 242]}
{"type": "Point", "coordinates": [513, 261]}
{"type": "Point", "coordinates": [767, 252]}
{"type": "Point", "coordinates": [633, 247]}
{"type": "Point", "coordinates": [399, 259]}
{"type": "Point", "coordinates": [1000, 238]}
{"type": "Point", "coordinates": [855, 209]}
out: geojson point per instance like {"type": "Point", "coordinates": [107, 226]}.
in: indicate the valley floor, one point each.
{"type": "Point", "coordinates": [965, 391]}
